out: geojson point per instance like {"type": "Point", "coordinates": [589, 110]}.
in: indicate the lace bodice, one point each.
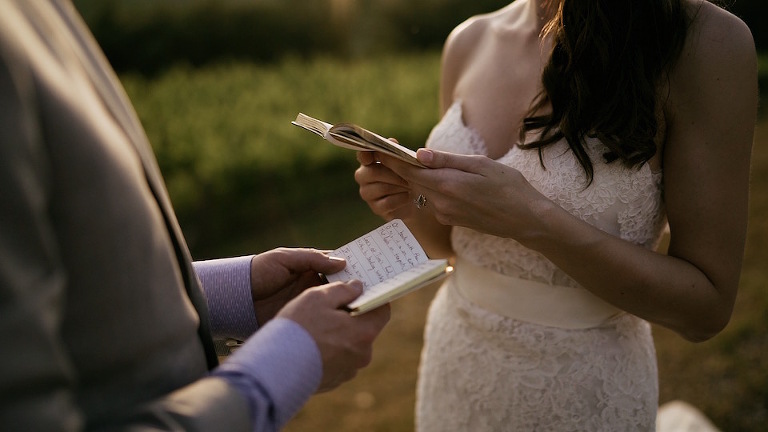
{"type": "Point", "coordinates": [625, 202]}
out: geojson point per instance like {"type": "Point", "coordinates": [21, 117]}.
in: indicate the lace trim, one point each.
{"type": "Point", "coordinates": [622, 201]}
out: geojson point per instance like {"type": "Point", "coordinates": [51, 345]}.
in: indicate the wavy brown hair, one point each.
{"type": "Point", "coordinates": [603, 77]}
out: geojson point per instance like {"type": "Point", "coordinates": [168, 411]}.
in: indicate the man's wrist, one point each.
{"type": "Point", "coordinates": [277, 370]}
{"type": "Point", "coordinates": [227, 286]}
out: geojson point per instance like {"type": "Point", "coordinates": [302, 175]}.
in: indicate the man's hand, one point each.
{"type": "Point", "coordinates": [345, 342]}
{"type": "Point", "coordinates": [279, 275]}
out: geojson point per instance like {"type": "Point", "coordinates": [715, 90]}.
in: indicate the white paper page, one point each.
{"type": "Point", "coordinates": [379, 255]}
{"type": "Point", "coordinates": [372, 292]}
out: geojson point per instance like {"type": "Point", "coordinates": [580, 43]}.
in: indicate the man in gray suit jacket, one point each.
{"type": "Point", "coordinates": [104, 324]}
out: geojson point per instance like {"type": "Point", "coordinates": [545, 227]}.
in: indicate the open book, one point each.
{"type": "Point", "coordinates": [390, 263]}
{"type": "Point", "coordinates": [351, 136]}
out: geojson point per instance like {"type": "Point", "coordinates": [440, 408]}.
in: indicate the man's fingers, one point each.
{"type": "Point", "coordinates": [378, 317]}
{"type": "Point", "coordinates": [339, 294]}
{"type": "Point", "coordinates": [300, 260]}
{"type": "Point", "coordinates": [328, 264]}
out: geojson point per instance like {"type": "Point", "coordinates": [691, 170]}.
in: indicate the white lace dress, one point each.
{"type": "Point", "coordinates": [499, 358]}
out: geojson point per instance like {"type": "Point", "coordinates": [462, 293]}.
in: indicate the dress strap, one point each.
{"type": "Point", "coordinates": [530, 301]}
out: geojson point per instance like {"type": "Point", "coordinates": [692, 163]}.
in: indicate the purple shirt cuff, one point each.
{"type": "Point", "coordinates": [277, 370]}
{"type": "Point", "coordinates": [227, 286]}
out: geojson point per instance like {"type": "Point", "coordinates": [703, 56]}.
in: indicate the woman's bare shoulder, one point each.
{"type": "Point", "coordinates": [719, 51]}
{"type": "Point", "coordinates": [464, 42]}
{"type": "Point", "coordinates": [713, 85]}
{"type": "Point", "coordinates": [465, 38]}
{"type": "Point", "coordinates": [458, 52]}
{"type": "Point", "coordinates": [717, 34]}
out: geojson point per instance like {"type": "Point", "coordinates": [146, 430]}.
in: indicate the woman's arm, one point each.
{"type": "Point", "coordinates": [711, 119]}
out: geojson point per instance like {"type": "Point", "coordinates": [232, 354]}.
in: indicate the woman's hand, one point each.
{"type": "Point", "coordinates": [387, 194]}
{"type": "Point", "coordinates": [475, 192]}
{"type": "Point", "coordinates": [390, 196]}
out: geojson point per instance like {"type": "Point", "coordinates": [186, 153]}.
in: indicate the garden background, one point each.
{"type": "Point", "coordinates": [216, 84]}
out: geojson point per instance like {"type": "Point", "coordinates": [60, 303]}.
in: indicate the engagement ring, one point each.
{"type": "Point", "coordinates": [421, 201]}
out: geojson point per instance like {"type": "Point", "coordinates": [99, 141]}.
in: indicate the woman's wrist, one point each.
{"type": "Point", "coordinates": [545, 228]}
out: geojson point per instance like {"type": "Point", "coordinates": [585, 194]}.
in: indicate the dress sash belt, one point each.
{"type": "Point", "coordinates": [530, 301]}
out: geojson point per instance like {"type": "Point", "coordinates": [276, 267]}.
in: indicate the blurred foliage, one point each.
{"type": "Point", "coordinates": [149, 36]}
{"type": "Point", "coordinates": [242, 178]}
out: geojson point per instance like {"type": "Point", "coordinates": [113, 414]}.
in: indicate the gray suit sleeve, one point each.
{"type": "Point", "coordinates": [37, 375]}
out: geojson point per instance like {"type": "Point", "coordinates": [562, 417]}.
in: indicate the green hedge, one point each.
{"type": "Point", "coordinates": [150, 36]}
{"type": "Point", "coordinates": [241, 176]}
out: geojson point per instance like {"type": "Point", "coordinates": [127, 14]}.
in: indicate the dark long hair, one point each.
{"type": "Point", "coordinates": [603, 76]}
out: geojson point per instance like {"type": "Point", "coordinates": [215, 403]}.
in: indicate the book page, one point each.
{"type": "Point", "coordinates": [399, 285]}
{"type": "Point", "coordinates": [312, 124]}
{"type": "Point", "coordinates": [379, 255]}
{"type": "Point", "coordinates": [354, 137]}
{"type": "Point", "coordinates": [321, 128]}
{"type": "Point", "coordinates": [350, 132]}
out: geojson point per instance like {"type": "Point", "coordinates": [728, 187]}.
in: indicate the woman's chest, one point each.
{"type": "Point", "coordinates": [497, 90]}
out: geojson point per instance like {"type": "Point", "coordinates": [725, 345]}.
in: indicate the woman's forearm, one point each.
{"type": "Point", "coordinates": [664, 289]}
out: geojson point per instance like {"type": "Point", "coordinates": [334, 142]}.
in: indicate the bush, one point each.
{"type": "Point", "coordinates": [242, 177]}
{"type": "Point", "coordinates": [148, 37]}
{"type": "Point", "coordinates": [151, 39]}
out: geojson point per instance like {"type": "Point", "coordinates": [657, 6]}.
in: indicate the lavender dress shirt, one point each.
{"type": "Point", "coordinates": [279, 366]}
